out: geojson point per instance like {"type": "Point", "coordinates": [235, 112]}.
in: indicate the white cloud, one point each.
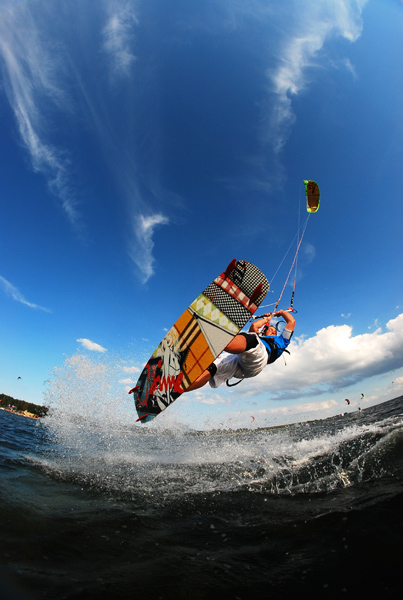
{"type": "Point", "coordinates": [131, 370]}
{"type": "Point", "coordinates": [127, 382]}
{"type": "Point", "coordinates": [12, 291]}
{"type": "Point", "coordinates": [205, 396]}
{"type": "Point", "coordinates": [315, 22]}
{"type": "Point", "coordinates": [350, 67]}
{"type": "Point", "coordinates": [331, 360]}
{"type": "Point", "coordinates": [118, 38]}
{"type": "Point", "coordinates": [281, 411]}
{"type": "Point", "coordinates": [91, 345]}
{"type": "Point", "coordinates": [309, 252]}
{"type": "Point", "coordinates": [397, 385]}
{"type": "Point", "coordinates": [142, 246]}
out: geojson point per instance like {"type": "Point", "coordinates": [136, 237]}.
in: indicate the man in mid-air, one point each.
{"type": "Point", "coordinates": [249, 352]}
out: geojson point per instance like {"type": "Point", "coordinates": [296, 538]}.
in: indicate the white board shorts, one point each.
{"type": "Point", "coordinates": [247, 364]}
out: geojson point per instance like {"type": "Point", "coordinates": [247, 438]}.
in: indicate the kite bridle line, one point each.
{"type": "Point", "coordinates": [311, 190]}
{"type": "Point", "coordinates": [294, 262]}
{"type": "Point", "coordinates": [296, 259]}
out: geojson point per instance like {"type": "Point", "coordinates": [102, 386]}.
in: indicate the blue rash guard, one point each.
{"type": "Point", "coordinates": [275, 345]}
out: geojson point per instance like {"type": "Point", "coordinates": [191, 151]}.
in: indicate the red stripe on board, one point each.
{"type": "Point", "coordinates": [233, 290]}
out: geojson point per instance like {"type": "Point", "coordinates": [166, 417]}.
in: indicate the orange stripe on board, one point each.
{"type": "Point", "coordinates": [200, 362]}
{"type": "Point", "coordinates": [186, 328]}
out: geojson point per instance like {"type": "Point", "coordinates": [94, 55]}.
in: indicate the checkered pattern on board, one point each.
{"type": "Point", "coordinates": [204, 307]}
{"type": "Point", "coordinates": [247, 277]}
{"type": "Point", "coordinates": [251, 278]}
{"type": "Point", "coordinates": [234, 291]}
{"type": "Point", "coordinates": [227, 304]}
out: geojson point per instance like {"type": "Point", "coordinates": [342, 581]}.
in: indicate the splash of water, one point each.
{"type": "Point", "coordinates": [97, 443]}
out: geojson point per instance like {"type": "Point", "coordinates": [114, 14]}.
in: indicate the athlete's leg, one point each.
{"type": "Point", "coordinates": [200, 381]}
{"type": "Point", "coordinates": [237, 345]}
{"type": "Point", "coordinates": [242, 342]}
{"type": "Point", "coordinates": [203, 378]}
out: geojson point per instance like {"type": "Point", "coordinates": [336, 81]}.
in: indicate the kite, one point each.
{"type": "Point", "coordinates": [312, 195]}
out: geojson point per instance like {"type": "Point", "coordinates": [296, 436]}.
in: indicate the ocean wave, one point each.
{"type": "Point", "coordinates": [163, 465]}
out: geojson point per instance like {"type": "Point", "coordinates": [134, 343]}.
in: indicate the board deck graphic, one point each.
{"type": "Point", "coordinates": [199, 335]}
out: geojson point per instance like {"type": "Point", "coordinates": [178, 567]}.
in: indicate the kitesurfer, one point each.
{"type": "Point", "coordinates": [249, 352]}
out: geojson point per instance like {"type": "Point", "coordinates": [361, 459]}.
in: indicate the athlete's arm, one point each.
{"type": "Point", "coordinates": [259, 323]}
{"type": "Point", "coordinates": [288, 318]}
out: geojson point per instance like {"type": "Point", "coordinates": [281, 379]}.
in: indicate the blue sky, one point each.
{"type": "Point", "coordinates": [147, 144]}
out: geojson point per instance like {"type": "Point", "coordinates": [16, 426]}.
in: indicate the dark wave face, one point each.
{"type": "Point", "coordinates": [91, 506]}
{"type": "Point", "coordinates": [310, 458]}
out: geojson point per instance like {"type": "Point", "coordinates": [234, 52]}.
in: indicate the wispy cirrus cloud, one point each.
{"type": "Point", "coordinates": [118, 38]}
{"type": "Point", "coordinates": [30, 69]}
{"type": "Point", "coordinates": [141, 248]}
{"type": "Point", "coordinates": [46, 83]}
{"type": "Point", "coordinates": [16, 295]}
{"type": "Point", "coordinates": [315, 23]}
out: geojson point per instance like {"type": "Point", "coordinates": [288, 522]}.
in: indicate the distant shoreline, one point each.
{"type": "Point", "coordinates": [21, 413]}
{"type": "Point", "coordinates": [22, 407]}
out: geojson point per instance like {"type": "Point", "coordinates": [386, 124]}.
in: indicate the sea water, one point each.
{"type": "Point", "coordinates": [94, 506]}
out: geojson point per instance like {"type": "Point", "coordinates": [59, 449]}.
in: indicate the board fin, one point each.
{"type": "Point", "coordinates": [229, 269]}
{"type": "Point", "coordinates": [142, 417]}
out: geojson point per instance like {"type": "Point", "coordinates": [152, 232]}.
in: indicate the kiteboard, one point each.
{"type": "Point", "coordinates": [199, 335]}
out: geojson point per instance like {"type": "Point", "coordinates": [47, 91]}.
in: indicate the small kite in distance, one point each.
{"type": "Point", "coordinates": [312, 195]}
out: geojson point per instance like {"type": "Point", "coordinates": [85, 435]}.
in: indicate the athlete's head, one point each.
{"type": "Point", "coordinates": [270, 330]}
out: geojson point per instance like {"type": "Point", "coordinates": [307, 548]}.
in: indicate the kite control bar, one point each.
{"type": "Point", "coordinates": [291, 309]}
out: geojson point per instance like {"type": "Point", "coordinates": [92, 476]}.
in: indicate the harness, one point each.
{"type": "Point", "coordinates": [236, 383]}
{"type": "Point", "coordinates": [274, 350]}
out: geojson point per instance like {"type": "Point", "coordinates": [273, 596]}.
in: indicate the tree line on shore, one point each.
{"type": "Point", "coordinates": [21, 405]}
